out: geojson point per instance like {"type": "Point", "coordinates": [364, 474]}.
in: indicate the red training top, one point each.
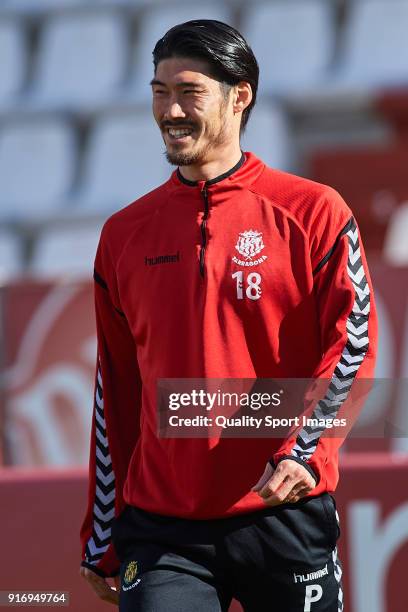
{"type": "Point", "coordinates": [257, 273]}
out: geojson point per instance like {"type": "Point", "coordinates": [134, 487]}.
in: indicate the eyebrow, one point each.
{"type": "Point", "coordinates": [182, 84]}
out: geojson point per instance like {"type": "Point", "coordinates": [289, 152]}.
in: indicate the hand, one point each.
{"type": "Point", "coordinates": [101, 586]}
{"type": "Point", "coordinates": [288, 483]}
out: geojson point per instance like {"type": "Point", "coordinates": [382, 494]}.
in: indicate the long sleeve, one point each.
{"type": "Point", "coordinates": [115, 424]}
{"type": "Point", "coordinates": [348, 327]}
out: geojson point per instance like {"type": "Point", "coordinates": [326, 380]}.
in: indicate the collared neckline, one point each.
{"type": "Point", "coordinates": [217, 179]}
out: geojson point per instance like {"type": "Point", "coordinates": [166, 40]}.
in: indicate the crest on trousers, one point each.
{"type": "Point", "coordinates": [249, 245]}
{"type": "Point", "coordinates": [131, 571]}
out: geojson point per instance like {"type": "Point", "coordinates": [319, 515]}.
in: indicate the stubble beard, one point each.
{"type": "Point", "coordinates": [181, 158]}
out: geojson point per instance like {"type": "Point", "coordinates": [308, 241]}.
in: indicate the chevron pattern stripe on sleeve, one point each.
{"type": "Point", "coordinates": [104, 502]}
{"type": "Point", "coordinates": [352, 356]}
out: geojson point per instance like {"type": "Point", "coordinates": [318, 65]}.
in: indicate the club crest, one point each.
{"type": "Point", "coordinates": [249, 245]}
{"type": "Point", "coordinates": [131, 571]}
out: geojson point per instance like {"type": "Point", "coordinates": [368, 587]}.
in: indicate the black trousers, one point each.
{"type": "Point", "coordinates": [281, 559]}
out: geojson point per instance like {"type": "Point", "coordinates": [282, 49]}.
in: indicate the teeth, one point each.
{"type": "Point", "coordinates": [179, 133]}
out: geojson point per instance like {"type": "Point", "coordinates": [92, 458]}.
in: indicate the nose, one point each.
{"type": "Point", "coordinates": [174, 110]}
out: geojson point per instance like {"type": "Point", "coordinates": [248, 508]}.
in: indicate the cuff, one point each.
{"type": "Point", "coordinates": [300, 461]}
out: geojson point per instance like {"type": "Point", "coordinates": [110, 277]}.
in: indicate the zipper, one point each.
{"type": "Point", "coordinates": [203, 229]}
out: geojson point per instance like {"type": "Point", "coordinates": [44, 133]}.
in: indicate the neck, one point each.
{"type": "Point", "coordinates": [212, 168]}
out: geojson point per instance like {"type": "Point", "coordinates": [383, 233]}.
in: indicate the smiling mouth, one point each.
{"type": "Point", "coordinates": [179, 134]}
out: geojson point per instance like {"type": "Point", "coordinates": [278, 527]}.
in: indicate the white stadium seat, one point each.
{"type": "Point", "coordinates": [293, 42]}
{"type": "Point", "coordinates": [65, 252]}
{"type": "Point", "coordinates": [81, 59]}
{"type": "Point", "coordinates": [375, 45]}
{"type": "Point", "coordinates": [37, 166]}
{"type": "Point", "coordinates": [13, 58]}
{"type": "Point", "coordinates": [396, 242]}
{"type": "Point", "coordinates": [10, 255]}
{"type": "Point", "coordinates": [267, 135]}
{"type": "Point", "coordinates": [124, 159]}
{"type": "Point", "coordinates": [153, 24]}
{"type": "Point", "coordinates": [34, 7]}
{"type": "Point", "coordinates": [124, 3]}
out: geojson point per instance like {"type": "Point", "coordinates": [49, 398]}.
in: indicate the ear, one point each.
{"type": "Point", "coordinates": [242, 96]}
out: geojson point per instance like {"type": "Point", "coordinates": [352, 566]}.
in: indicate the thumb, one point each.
{"type": "Point", "coordinates": [268, 471]}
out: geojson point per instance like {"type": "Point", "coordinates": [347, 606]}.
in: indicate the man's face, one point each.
{"type": "Point", "coordinates": [192, 111]}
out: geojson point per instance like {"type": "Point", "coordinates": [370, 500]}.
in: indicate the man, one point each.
{"type": "Point", "coordinates": [229, 270]}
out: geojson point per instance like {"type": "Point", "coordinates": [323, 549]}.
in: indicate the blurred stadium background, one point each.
{"type": "Point", "coordinates": [77, 142]}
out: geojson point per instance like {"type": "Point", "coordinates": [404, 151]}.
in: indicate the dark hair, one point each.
{"type": "Point", "coordinates": [229, 56]}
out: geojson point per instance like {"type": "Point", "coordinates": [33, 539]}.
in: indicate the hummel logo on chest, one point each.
{"type": "Point", "coordinates": [162, 259]}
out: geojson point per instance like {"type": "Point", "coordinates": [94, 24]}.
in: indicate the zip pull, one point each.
{"type": "Point", "coordinates": [204, 193]}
